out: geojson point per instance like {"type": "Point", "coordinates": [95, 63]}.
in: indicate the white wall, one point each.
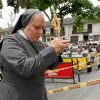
{"type": "Point", "coordinates": [96, 28]}
{"type": "Point", "coordinates": [80, 36]}
{"type": "Point", "coordinates": [47, 29]}
{"type": "Point", "coordinates": [85, 26]}
{"type": "Point", "coordinates": [68, 30]}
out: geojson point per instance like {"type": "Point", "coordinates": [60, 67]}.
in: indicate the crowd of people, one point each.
{"type": "Point", "coordinates": [81, 49]}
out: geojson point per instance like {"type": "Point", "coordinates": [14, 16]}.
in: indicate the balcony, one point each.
{"type": "Point", "coordinates": [84, 31]}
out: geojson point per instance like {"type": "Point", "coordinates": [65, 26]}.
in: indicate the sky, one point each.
{"type": "Point", "coordinates": [6, 12]}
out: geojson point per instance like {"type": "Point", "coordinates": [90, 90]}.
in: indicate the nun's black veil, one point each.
{"type": "Point", "coordinates": [24, 19]}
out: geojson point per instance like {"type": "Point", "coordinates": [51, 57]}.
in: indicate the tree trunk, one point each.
{"type": "Point", "coordinates": [61, 23]}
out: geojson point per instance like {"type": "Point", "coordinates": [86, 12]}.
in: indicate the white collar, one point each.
{"type": "Point", "coordinates": [22, 33]}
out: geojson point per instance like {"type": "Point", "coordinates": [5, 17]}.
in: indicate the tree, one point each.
{"type": "Point", "coordinates": [12, 16]}
{"type": "Point", "coordinates": [26, 4]}
{"type": "Point", "coordinates": [81, 10]}
{"type": "Point", "coordinates": [21, 3]}
{"type": "Point", "coordinates": [41, 4]}
{"type": "Point", "coordinates": [1, 5]}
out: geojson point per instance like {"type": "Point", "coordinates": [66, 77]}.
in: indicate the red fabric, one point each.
{"type": "Point", "coordinates": [67, 73]}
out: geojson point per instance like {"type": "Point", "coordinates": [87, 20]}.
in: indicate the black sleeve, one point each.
{"type": "Point", "coordinates": [53, 66]}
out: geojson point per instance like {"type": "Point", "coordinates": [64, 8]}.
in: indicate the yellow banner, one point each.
{"type": "Point", "coordinates": [82, 63]}
{"type": "Point", "coordinates": [67, 60]}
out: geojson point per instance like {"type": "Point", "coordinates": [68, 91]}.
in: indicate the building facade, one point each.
{"type": "Point", "coordinates": [91, 31]}
{"type": "Point", "coordinates": [4, 32]}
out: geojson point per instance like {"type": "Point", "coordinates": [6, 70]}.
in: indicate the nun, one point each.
{"type": "Point", "coordinates": [25, 59]}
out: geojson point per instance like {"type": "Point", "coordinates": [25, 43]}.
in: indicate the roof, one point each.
{"type": "Point", "coordinates": [4, 30]}
{"type": "Point", "coordinates": [66, 21]}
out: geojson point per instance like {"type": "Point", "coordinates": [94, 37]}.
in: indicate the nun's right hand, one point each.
{"type": "Point", "coordinates": [58, 44]}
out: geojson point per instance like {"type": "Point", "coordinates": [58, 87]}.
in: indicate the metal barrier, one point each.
{"type": "Point", "coordinates": [78, 63]}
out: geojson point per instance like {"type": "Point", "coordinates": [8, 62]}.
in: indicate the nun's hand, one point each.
{"type": "Point", "coordinates": [58, 44]}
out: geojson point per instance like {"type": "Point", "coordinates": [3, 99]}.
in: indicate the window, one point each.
{"type": "Point", "coordinates": [89, 26]}
{"type": "Point", "coordinates": [63, 31]}
{"type": "Point", "coordinates": [74, 31]}
{"type": "Point", "coordinates": [91, 37]}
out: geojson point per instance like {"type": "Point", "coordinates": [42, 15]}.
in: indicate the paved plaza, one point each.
{"type": "Point", "coordinates": [86, 93]}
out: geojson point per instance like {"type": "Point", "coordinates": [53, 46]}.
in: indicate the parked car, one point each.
{"type": "Point", "coordinates": [93, 43]}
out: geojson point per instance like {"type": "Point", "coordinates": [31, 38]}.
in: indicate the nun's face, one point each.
{"type": "Point", "coordinates": [34, 29]}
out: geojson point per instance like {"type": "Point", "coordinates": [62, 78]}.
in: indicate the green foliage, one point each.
{"type": "Point", "coordinates": [81, 10]}
{"type": "Point", "coordinates": [79, 23]}
{"type": "Point", "coordinates": [84, 11]}
{"type": "Point", "coordinates": [43, 4]}
{"type": "Point", "coordinates": [39, 4]}
{"type": "Point", "coordinates": [1, 5]}
{"type": "Point", "coordinates": [94, 14]}
{"type": "Point", "coordinates": [21, 3]}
